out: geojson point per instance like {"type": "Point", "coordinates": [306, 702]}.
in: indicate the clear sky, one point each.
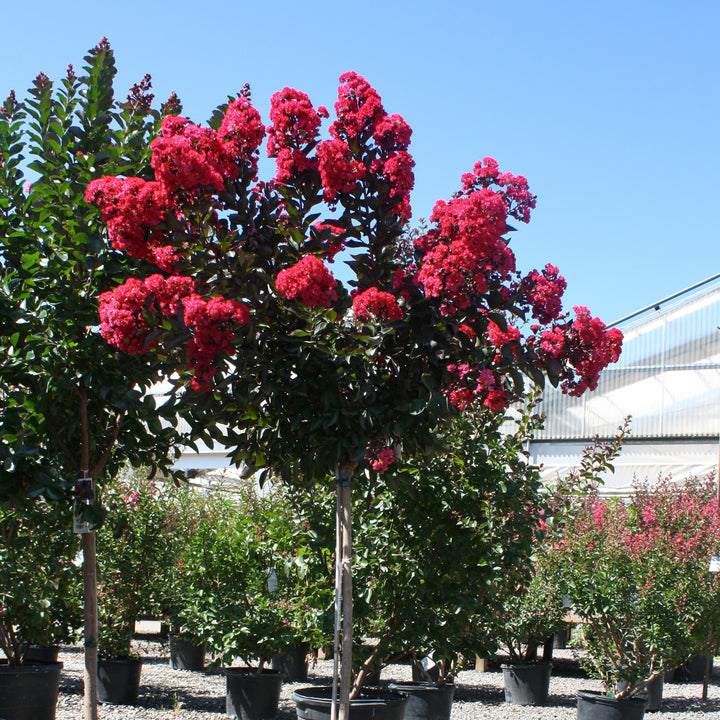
{"type": "Point", "coordinates": [611, 110]}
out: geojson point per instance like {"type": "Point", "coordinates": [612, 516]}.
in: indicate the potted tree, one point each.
{"type": "Point", "coordinates": [40, 603]}
{"type": "Point", "coordinates": [249, 591]}
{"type": "Point", "coordinates": [294, 373]}
{"type": "Point", "coordinates": [70, 405]}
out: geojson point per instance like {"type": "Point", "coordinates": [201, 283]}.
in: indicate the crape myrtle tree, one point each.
{"type": "Point", "coordinates": [302, 374]}
{"type": "Point", "coordinates": [71, 406]}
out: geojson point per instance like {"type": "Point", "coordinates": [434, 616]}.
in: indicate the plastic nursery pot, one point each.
{"type": "Point", "coordinates": [119, 680]}
{"type": "Point", "coordinates": [29, 691]}
{"type": "Point", "coordinates": [293, 663]}
{"type": "Point", "coordinates": [654, 693]}
{"type": "Point", "coordinates": [527, 683]}
{"type": "Point", "coordinates": [42, 653]}
{"type": "Point", "coordinates": [250, 694]}
{"type": "Point", "coordinates": [426, 701]}
{"type": "Point", "coordinates": [596, 706]}
{"type": "Point", "coordinates": [315, 703]}
{"type": "Point", "coordinates": [186, 653]}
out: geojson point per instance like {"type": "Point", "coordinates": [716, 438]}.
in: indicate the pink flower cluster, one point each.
{"type": "Point", "coordinates": [360, 119]}
{"type": "Point", "coordinates": [544, 291]}
{"type": "Point", "coordinates": [212, 321]}
{"type": "Point", "coordinates": [373, 303]}
{"type": "Point", "coordinates": [242, 131]}
{"type": "Point", "coordinates": [121, 321]}
{"type": "Point", "coordinates": [592, 347]}
{"type": "Point", "coordinates": [499, 338]}
{"type": "Point", "coordinates": [126, 311]}
{"type": "Point", "coordinates": [132, 209]}
{"type": "Point", "coordinates": [308, 281]}
{"type": "Point", "coordinates": [471, 384]}
{"type": "Point", "coordinates": [380, 456]}
{"type": "Point", "coordinates": [295, 129]}
{"type": "Point", "coordinates": [186, 158]}
{"type": "Point", "coordinates": [512, 188]}
{"type": "Point", "coordinates": [464, 249]}
{"type": "Point", "coordinates": [339, 170]}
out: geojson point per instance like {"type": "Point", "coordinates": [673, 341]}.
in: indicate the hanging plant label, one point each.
{"type": "Point", "coordinates": [83, 497]}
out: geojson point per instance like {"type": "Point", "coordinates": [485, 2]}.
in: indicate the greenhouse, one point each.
{"type": "Point", "coordinates": [666, 380]}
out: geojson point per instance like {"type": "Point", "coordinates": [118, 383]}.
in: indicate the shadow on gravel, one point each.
{"type": "Point", "coordinates": [691, 705]}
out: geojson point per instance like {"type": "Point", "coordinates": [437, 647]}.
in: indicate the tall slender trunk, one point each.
{"type": "Point", "coordinates": [340, 707]}
{"type": "Point", "coordinates": [347, 603]}
{"type": "Point", "coordinates": [90, 698]}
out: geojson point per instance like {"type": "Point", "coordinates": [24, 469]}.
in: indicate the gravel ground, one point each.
{"type": "Point", "coordinates": [166, 693]}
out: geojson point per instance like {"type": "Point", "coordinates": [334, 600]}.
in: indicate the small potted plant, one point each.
{"type": "Point", "coordinates": [40, 601]}
{"type": "Point", "coordinates": [251, 595]}
{"type": "Point", "coordinates": [529, 610]}
{"type": "Point", "coordinates": [637, 576]}
{"type": "Point", "coordinates": [130, 548]}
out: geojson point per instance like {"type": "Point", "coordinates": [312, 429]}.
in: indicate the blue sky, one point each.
{"type": "Point", "coordinates": [609, 109]}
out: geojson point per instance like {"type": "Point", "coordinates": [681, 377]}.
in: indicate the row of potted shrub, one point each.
{"type": "Point", "coordinates": [249, 574]}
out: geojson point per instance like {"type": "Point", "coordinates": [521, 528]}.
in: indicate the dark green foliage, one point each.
{"type": "Point", "coordinates": [68, 402]}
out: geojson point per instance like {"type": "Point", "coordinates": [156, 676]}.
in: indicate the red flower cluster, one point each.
{"type": "Point", "coordinates": [359, 109]}
{"type": "Point", "coordinates": [132, 208]}
{"type": "Point", "coordinates": [295, 128]}
{"type": "Point", "coordinates": [185, 158]}
{"type": "Point", "coordinates": [123, 319]}
{"type": "Point", "coordinates": [338, 169]}
{"type": "Point", "coordinates": [188, 157]}
{"type": "Point", "coordinates": [513, 188]}
{"type": "Point", "coordinates": [212, 321]}
{"type": "Point", "coordinates": [360, 117]}
{"type": "Point", "coordinates": [586, 345]}
{"type": "Point", "coordinates": [471, 384]}
{"type": "Point", "coordinates": [373, 303]}
{"type": "Point", "coordinates": [499, 338]}
{"type": "Point", "coordinates": [308, 281]}
{"type": "Point", "coordinates": [242, 131]}
{"type": "Point", "coordinates": [397, 170]}
{"type": "Point", "coordinates": [544, 291]}
{"type": "Point", "coordinates": [380, 456]}
{"type": "Point", "coordinates": [465, 249]}
{"type": "Point", "coordinates": [392, 134]}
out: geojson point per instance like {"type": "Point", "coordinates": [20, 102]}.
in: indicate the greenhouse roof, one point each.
{"type": "Point", "coordinates": [666, 379]}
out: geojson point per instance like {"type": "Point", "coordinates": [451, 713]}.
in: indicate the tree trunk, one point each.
{"type": "Point", "coordinates": [347, 603]}
{"type": "Point", "coordinates": [90, 699]}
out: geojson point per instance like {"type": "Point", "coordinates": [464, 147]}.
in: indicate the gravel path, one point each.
{"type": "Point", "coordinates": [166, 693]}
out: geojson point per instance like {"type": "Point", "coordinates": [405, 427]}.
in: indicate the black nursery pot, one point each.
{"type": "Point", "coordinates": [527, 684]}
{"type": "Point", "coordinates": [29, 691]}
{"type": "Point", "coordinates": [426, 701]}
{"type": "Point", "coordinates": [252, 695]}
{"type": "Point", "coordinates": [314, 703]}
{"type": "Point", "coordinates": [186, 653]}
{"type": "Point", "coordinates": [596, 706]}
{"type": "Point", "coordinates": [293, 663]}
{"type": "Point", "coordinates": [119, 680]}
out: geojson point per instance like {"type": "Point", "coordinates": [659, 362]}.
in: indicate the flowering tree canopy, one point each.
{"type": "Point", "coordinates": [304, 374]}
